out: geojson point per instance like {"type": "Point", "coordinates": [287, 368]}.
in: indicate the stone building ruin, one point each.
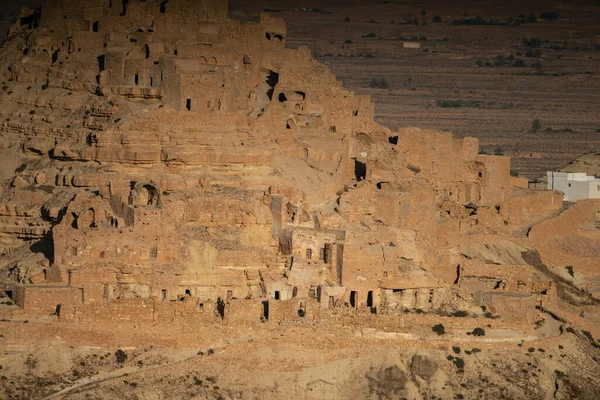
{"type": "Point", "coordinates": [181, 164]}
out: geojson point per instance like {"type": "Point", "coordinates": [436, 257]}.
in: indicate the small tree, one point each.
{"type": "Point", "coordinates": [536, 125]}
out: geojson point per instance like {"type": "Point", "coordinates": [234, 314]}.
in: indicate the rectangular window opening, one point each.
{"type": "Point", "coordinates": [353, 298]}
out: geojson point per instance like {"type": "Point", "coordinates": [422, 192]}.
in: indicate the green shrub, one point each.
{"type": "Point", "coordinates": [532, 42]}
{"type": "Point", "coordinates": [460, 314]}
{"type": "Point", "coordinates": [348, 41]}
{"type": "Point", "coordinates": [456, 349]}
{"type": "Point", "coordinates": [449, 103]}
{"type": "Point", "coordinates": [120, 356]}
{"type": "Point", "coordinates": [439, 329]}
{"type": "Point", "coordinates": [569, 269]}
{"type": "Point", "coordinates": [515, 173]}
{"type": "Point", "coordinates": [533, 53]}
{"type": "Point", "coordinates": [519, 64]}
{"type": "Point", "coordinates": [536, 125]}
{"type": "Point", "coordinates": [459, 362]}
{"type": "Point", "coordinates": [379, 83]}
{"type": "Point", "coordinates": [478, 332]}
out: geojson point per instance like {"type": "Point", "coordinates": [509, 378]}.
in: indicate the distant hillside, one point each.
{"type": "Point", "coordinates": [588, 163]}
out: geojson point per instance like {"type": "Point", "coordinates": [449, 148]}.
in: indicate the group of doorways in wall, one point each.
{"type": "Point", "coordinates": [354, 301]}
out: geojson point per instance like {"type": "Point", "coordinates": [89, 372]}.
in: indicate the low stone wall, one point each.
{"type": "Point", "coordinates": [140, 311]}
{"type": "Point", "coordinates": [45, 298]}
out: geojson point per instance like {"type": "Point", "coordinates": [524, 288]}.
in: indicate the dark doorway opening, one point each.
{"type": "Point", "coordinates": [353, 298]}
{"type": "Point", "coordinates": [95, 26]}
{"type": "Point", "coordinates": [308, 254]}
{"type": "Point", "coordinates": [327, 256]}
{"type": "Point", "coordinates": [370, 299]}
{"type": "Point", "coordinates": [137, 79]}
{"type": "Point", "coordinates": [163, 295]}
{"type": "Point", "coordinates": [360, 170]}
{"type": "Point", "coordinates": [393, 139]}
{"type": "Point", "coordinates": [125, 3]}
{"type": "Point", "coordinates": [276, 295]}
{"type": "Point", "coordinates": [57, 310]}
{"type": "Point", "coordinates": [272, 80]}
{"type": "Point", "coordinates": [101, 59]}
{"type": "Point", "coordinates": [265, 305]}
{"type": "Point", "coordinates": [188, 292]}
{"type": "Point", "coordinates": [188, 104]}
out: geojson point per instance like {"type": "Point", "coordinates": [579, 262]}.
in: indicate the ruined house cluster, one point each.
{"type": "Point", "coordinates": [181, 164]}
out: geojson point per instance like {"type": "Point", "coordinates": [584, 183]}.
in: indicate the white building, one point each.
{"type": "Point", "coordinates": [574, 185]}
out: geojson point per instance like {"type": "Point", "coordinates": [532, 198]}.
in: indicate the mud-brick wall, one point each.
{"type": "Point", "coordinates": [243, 312]}
{"type": "Point", "coordinates": [125, 310]}
{"type": "Point", "coordinates": [45, 297]}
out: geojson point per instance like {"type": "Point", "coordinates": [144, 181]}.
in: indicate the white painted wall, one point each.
{"type": "Point", "coordinates": [574, 185]}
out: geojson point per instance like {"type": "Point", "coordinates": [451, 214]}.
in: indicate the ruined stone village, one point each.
{"type": "Point", "coordinates": [167, 165]}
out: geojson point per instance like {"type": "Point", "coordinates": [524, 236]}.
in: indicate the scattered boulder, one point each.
{"type": "Point", "coordinates": [19, 182]}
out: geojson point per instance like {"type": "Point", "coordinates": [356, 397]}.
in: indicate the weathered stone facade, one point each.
{"type": "Point", "coordinates": [214, 174]}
